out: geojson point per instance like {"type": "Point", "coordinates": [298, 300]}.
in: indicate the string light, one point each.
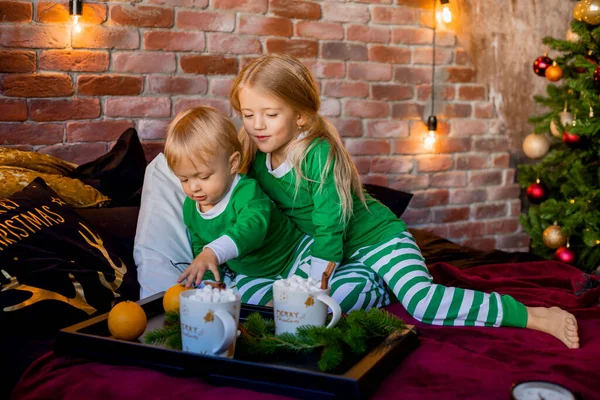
{"type": "Point", "coordinates": [76, 10]}
{"type": "Point", "coordinates": [431, 138]}
{"type": "Point", "coordinates": [446, 13]}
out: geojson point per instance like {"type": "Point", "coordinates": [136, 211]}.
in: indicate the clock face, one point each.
{"type": "Point", "coordinates": [538, 390]}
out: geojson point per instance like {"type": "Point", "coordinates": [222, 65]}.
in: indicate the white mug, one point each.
{"type": "Point", "coordinates": [207, 327]}
{"type": "Point", "coordinates": [293, 308]}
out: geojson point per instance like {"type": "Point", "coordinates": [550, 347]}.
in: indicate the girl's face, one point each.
{"type": "Point", "coordinates": [271, 123]}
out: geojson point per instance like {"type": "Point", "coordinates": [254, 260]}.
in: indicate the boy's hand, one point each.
{"type": "Point", "coordinates": [207, 260]}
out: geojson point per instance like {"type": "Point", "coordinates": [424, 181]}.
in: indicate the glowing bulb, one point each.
{"type": "Point", "coordinates": [76, 26]}
{"type": "Point", "coordinates": [429, 141]}
{"type": "Point", "coordinates": [446, 13]}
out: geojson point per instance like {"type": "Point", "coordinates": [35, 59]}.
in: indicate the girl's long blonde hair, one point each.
{"type": "Point", "coordinates": [288, 79]}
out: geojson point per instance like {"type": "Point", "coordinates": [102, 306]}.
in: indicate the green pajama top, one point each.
{"type": "Point", "coordinates": [265, 239]}
{"type": "Point", "coordinates": [316, 210]}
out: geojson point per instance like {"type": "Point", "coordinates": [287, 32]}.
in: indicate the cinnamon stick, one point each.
{"type": "Point", "coordinates": [327, 274]}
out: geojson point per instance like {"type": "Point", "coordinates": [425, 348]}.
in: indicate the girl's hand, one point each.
{"type": "Point", "coordinates": [207, 260]}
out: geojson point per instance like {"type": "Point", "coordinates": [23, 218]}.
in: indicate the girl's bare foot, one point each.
{"type": "Point", "coordinates": [558, 323]}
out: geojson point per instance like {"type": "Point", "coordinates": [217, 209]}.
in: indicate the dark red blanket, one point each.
{"type": "Point", "coordinates": [461, 363]}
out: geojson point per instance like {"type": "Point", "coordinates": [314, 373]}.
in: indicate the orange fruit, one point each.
{"type": "Point", "coordinates": [171, 297]}
{"type": "Point", "coordinates": [127, 320]}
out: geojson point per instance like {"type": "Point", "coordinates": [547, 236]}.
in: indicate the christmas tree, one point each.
{"type": "Point", "coordinates": [564, 186]}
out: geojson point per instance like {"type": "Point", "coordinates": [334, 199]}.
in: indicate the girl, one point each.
{"type": "Point", "coordinates": [300, 162]}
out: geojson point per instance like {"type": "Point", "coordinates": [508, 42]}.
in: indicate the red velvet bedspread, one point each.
{"type": "Point", "coordinates": [461, 363]}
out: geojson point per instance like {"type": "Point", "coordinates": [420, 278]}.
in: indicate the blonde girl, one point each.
{"type": "Point", "coordinates": [300, 162]}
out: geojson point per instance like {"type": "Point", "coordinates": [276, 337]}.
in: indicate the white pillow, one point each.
{"type": "Point", "coordinates": [162, 248]}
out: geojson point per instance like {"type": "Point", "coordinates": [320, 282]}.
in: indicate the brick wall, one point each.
{"type": "Point", "coordinates": [137, 63]}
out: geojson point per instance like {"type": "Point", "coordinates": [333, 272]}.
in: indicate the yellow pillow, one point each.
{"type": "Point", "coordinates": [74, 192]}
{"type": "Point", "coordinates": [35, 161]}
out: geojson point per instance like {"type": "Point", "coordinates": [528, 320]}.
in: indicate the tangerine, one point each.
{"type": "Point", "coordinates": [171, 297]}
{"type": "Point", "coordinates": [127, 320]}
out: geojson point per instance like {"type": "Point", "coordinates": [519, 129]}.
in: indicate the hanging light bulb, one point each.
{"type": "Point", "coordinates": [430, 139]}
{"type": "Point", "coordinates": [445, 14]}
{"type": "Point", "coordinates": [76, 9]}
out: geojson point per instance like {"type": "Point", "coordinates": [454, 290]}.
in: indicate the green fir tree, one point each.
{"type": "Point", "coordinates": [570, 174]}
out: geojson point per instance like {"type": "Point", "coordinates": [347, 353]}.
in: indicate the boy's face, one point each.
{"type": "Point", "coordinates": [207, 182]}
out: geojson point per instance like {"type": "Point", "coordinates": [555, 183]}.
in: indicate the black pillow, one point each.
{"type": "Point", "coordinates": [395, 200]}
{"type": "Point", "coordinates": [119, 174]}
{"type": "Point", "coordinates": [56, 269]}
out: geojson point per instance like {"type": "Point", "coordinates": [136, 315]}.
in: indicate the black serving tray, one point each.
{"type": "Point", "coordinates": [92, 339]}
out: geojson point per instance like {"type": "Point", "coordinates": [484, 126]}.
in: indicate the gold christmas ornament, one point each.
{"type": "Point", "coordinates": [554, 72]}
{"type": "Point", "coordinates": [553, 237]}
{"type": "Point", "coordinates": [566, 119]}
{"type": "Point", "coordinates": [535, 146]}
{"type": "Point", "coordinates": [572, 36]}
{"type": "Point", "coordinates": [591, 12]}
{"type": "Point", "coordinates": [555, 130]}
{"type": "Point", "coordinates": [578, 10]}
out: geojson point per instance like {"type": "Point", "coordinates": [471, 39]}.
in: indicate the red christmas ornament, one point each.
{"type": "Point", "coordinates": [597, 76]}
{"type": "Point", "coordinates": [536, 193]}
{"type": "Point", "coordinates": [565, 255]}
{"type": "Point", "coordinates": [540, 64]}
{"type": "Point", "coordinates": [571, 140]}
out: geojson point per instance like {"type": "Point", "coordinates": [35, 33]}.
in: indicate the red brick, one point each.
{"type": "Point", "coordinates": [347, 127]}
{"type": "Point", "coordinates": [210, 65]}
{"type": "Point", "coordinates": [32, 134]}
{"type": "Point", "coordinates": [366, 109]}
{"type": "Point", "coordinates": [220, 87]}
{"type": "Point", "coordinates": [40, 85]}
{"type": "Point", "coordinates": [138, 107]}
{"type": "Point", "coordinates": [326, 69]}
{"type": "Point", "coordinates": [483, 211]}
{"type": "Point", "coordinates": [472, 92]}
{"type": "Point", "coordinates": [509, 175]}
{"type": "Point", "coordinates": [17, 61]}
{"type": "Point", "coordinates": [465, 230]}
{"type": "Point", "coordinates": [449, 179]}
{"type": "Point", "coordinates": [445, 38]}
{"type": "Point", "coordinates": [425, 56]}
{"type": "Point", "coordinates": [152, 149]}
{"type": "Point", "coordinates": [472, 161]}
{"type": "Point", "coordinates": [79, 153]}
{"type": "Point", "coordinates": [458, 110]}
{"type": "Point", "coordinates": [331, 108]}
{"type": "Point", "coordinates": [412, 145]}
{"type": "Point", "coordinates": [74, 60]}
{"type": "Point", "coordinates": [394, 15]}
{"type": "Point", "coordinates": [462, 127]}
{"type": "Point", "coordinates": [109, 85]}
{"type": "Point", "coordinates": [363, 164]}
{"type": "Point", "coordinates": [453, 145]}
{"type": "Point", "coordinates": [15, 11]}
{"type": "Point", "coordinates": [485, 178]}
{"type": "Point", "coordinates": [144, 63]}
{"type": "Point", "coordinates": [295, 9]}
{"type": "Point", "coordinates": [391, 165]}
{"type": "Point", "coordinates": [345, 89]}
{"type": "Point", "coordinates": [63, 110]}
{"type": "Point", "coordinates": [369, 71]}
{"type": "Point", "coordinates": [380, 180]}
{"type": "Point", "coordinates": [450, 214]}
{"type": "Point", "coordinates": [419, 128]}
{"type": "Point", "coordinates": [392, 92]}
{"type": "Point", "coordinates": [467, 196]}
{"type": "Point", "coordinates": [407, 111]}
{"type": "Point", "coordinates": [182, 3]}
{"type": "Point", "coordinates": [320, 30]}
{"type": "Point", "coordinates": [485, 111]}
{"type": "Point", "coordinates": [248, 6]}
{"type": "Point", "coordinates": [97, 131]}
{"type": "Point", "coordinates": [409, 182]}
{"type": "Point", "coordinates": [414, 216]}
{"type": "Point", "coordinates": [299, 47]}
{"type": "Point", "coordinates": [185, 104]}
{"type": "Point", "coordinates": [484, 244]}
{"type": "Point", "coordinates": [56, 13]}
{"type": "Point", "coordinates": [153, 128]}
{"type": "Point", "coordinates": [516, 241]}
{"type": "Point", "coordinates": [367, 147]}
{"type": "Point", "coordinates": [13, 110]}
{"type": "Point", "coordinates": [460, 74]}
{"type": "Point", "coordinates": [369, 34]}
{"type": "Point", "coordinates": [424, 4]}
{"type": "Point", "coordinates": [227, 43]}
{"type": "Point", "coordinates": [374, 1]}
{"type": "Point", "coordinates": [412, 75]}
{"type": "Point", "coordinates": [389, 54]}
{"type": "Point", "coordinates": [429, 198]}
{"type": "Point", "coordinates": [174, 41]}
{"type": "Point", "coordinates": [100, 37]}
{"type": "Point", "coordinates": [442, 92]}
{"type": "Point", "coordinates": [354, 13]}
{"type": "Point", "coordinates": [412, 36]}
{"type": "Point", "coordinates": [501, 226]}
{"type": "Point", "coordinates": [387, 128]}
{"type": "Point", "coordinates": [163, 84]}
{"type": "Point", "coordinates": [501, 160]}
{"type": "Point", "coordinates": [35, 36]}
{"type": "Point", "coordinates": [491, 144]}
{"type": "Point", "coordinates": [344, 51]}
{"type": "Point", "coordinates": [506, 192]}
{"type": "Point", "coordinates": [206, 21]}
{"type": "Point", "coordinates": [461, 57]}
{"type": "Point", "coordinates": [434, 163]}
{"type": "Point", "coordinates": [141, 16]}
{"type": "Point", "coordinates": [515, 207]}
{"type": "Point", "coordinates": [265, 26]}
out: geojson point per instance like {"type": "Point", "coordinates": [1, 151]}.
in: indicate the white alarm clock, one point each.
{"type": "Point", "coordinates": [540, 390]}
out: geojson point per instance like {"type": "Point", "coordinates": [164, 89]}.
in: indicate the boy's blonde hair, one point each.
{"type": "Point", "coordinates": [200, 134]}
{"type": "Point", "coordinates": [285, 77]}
